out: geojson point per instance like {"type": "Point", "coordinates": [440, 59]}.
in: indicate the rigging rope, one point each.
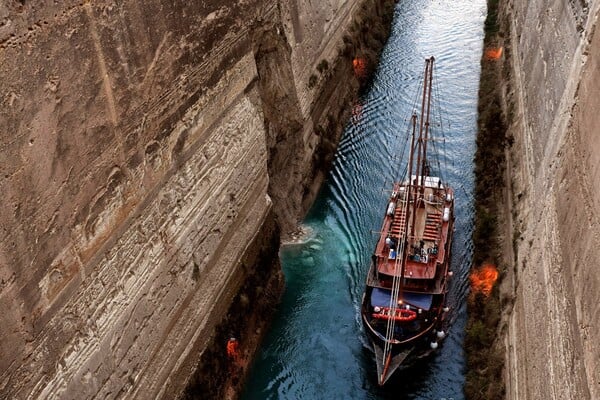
{"type": "Point", "coordinates": [396, 280]}
{"type": "Point", "coordinates": [405, 198]}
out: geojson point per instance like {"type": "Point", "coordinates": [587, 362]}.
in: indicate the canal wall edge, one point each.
{"type": "Point", "coordinates": [550, 324]}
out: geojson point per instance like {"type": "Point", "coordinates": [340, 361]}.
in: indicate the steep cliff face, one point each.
{"type": "Point", "coordinates": [141, 145]}
{"type": "Point", "coordinates": [307, 86]}
{"type": "Point", "coordinates": [553, 327]}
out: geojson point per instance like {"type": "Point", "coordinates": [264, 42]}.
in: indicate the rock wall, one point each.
{"type": "Point", "coordinates": [309, 88]}
{"type": "Point", "coordinates": [553, 326]}
{"type": "Point", "coordinates": [141, 144]}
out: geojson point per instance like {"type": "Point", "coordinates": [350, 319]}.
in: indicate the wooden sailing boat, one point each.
{"type": "Point", "coordinates": [403, 308]}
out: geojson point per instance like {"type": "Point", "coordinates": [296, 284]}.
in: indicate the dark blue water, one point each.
{"type": "Point", "coordinates": [316, 348]}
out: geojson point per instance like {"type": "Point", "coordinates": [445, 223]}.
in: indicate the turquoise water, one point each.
{"type": "Point", "coordinates": [316, 348]}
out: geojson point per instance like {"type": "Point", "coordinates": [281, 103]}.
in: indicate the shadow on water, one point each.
{"type": "Point", "coordinates": [316, 348]}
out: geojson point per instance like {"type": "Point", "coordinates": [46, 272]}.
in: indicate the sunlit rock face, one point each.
{"type": "Point", "coordinates": [553, 328]}
{"type": "Point", "coordinates": [144, 147]}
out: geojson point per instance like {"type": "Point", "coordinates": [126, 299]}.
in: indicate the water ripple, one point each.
{"type": "Point", "coordinates": [316, 348]}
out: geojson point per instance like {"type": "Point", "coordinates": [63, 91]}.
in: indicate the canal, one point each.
{"type": "Point", "coordinates": [316, 348]}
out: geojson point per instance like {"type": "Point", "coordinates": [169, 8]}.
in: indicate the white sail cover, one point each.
{"type": "Point", "coordinates": [430, 181]}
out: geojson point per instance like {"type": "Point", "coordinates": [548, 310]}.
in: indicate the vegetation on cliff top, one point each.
{"type": "Point", "coordinates": [485, 359]}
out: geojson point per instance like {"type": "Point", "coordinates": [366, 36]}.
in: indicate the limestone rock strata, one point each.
{"type": "Point", "coordinates": [554, 326]}
{"type": "Point", "coordinates": [311, 88]}
{"type": "Point", "coordinates": [140, 146]}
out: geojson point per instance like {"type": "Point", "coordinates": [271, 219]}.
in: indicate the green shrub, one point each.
{"type": "Point", "coordinates": [485, 359]}
{"type": "Point", "coordinates": [323, 66]}
{"type": "Point", "coordinates": [312, 81]}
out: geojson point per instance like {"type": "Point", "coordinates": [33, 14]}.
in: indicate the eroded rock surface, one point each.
{"type": "Point", "coordinates": [554, 326]}
{"type": "Point", "coordinates": [143, 147]}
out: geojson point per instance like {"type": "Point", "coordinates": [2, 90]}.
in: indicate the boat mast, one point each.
{"type": "Point", "coordinates": [428, 76]}
{"type": "Point", "coordinates": [419, 179]}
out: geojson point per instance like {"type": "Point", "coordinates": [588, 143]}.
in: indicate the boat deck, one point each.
{"type": "Point", "coordinates": [427, 247]}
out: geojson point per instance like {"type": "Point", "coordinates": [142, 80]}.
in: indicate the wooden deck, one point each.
{"type": "Point", "coordinates": [427, 248]}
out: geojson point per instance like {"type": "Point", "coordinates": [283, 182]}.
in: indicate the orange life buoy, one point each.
{"type": "Point", "coordinates": [401, 314]}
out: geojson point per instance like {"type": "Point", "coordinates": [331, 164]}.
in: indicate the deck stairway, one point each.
{"type": "Point", "coordinates": [397, 228]}
{"type": "Point", "coordinates": [432, 226]}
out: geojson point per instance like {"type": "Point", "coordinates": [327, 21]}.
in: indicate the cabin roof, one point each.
{"type": "Point", "coordinates": [381, 298]}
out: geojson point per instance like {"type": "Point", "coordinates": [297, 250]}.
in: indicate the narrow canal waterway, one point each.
{"type": "Point", "coordinates": [316, 348]}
